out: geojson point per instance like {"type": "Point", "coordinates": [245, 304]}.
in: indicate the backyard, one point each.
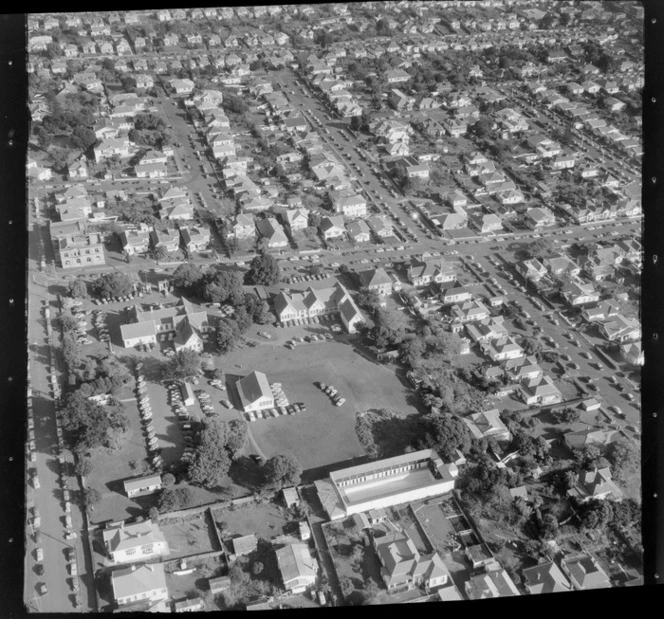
{"type": "Point", "coordinates": [189, 536]}
{"type": "Point", "coordinates": [265, 520]}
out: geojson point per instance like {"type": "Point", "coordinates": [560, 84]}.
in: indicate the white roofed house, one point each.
{"type": "Point", "coordinates": [381, 226]}
{"type": "Point", "coordinates": [621, 329]}
{"type": "Point", "coordinates": [135, 241]}
{"type": "Point", "coordinates": [376, 279]}
{"type": "Point", "coordinates": [242, 227]}
{"type": "Point", "coordinates": [135, 542]}
{"type": "Point", "coordinates": [595, 484]}
{"type": "Point", "coordinates": [195, 238]}
{"type": "Point", "coordinates": [77, 169]}
{"type": "Point", "coordinates": [182, 86]}
{"type": "Point", "coordinates": [298, 568]}
{"type": "Point", "coordinates": [112, 146]}
{"type": "Point", "coordinates": [502, 349]}
{"type": "Point", "coordinates": [349, 204]}
{"type": "Point", "coordinates": [141, 486]}
{"type": "Point", "coordinates": [272, 232]}
{"type": "Point", "coordinates": [486, 223]}
{"type": "Point", "coordinates": [424, 272]}
{"type": "Point", "coordinates": [577, 292]}
{"type": "Point", "coordinates": [254, 392]}
{"type": "Point", "coordinates": [488, 424]}
{"type": "Point", "coordinates": [332, 227]}
{"type": "Point", "coordinates": [137, 584]}
{"type": "Point", "coordinates": [297, 218]}
{"type": "Point", "coordinates": [150, 170]}
{"type": "Point", "coordinates": [539, 391]}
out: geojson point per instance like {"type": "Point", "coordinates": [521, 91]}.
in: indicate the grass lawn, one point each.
{"type": "Point", "coordinates": [265, 521]}
{"type": "Point", "coordinates": [324, 434]}
{"type": "Point", "coordinates": [189, 536]}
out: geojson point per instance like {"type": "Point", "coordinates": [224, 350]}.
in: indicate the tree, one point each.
{"type": "Point", "coordinates": [529, 447]}
{"type": "Point", "coordinates": [159, 252]}
{"type": "Point", "coordinates": [92, 496]}
{"type": "Point", "coordinates": [167, 480]}
{"type": "Point", "coordinates": [257, 568]}
{"type": "Point", "coordinates": [154, 514]}
{"type": "Point", "coordinates": [112, 285]}
{"type": "Point", "coordinates": [242, 318]}
{"type": "Point", "coordinates": [624, 459]}
{"type": "Point", "coordinates": [283, 470]}
{"type": "Point", "coordinates": [263, 271]}
{"type": "Point", "coordinates": [184, 364]}
{"type": "Point", "coordinates": [234, 104]}
{"type": "Point", "coordinates": [227, 335]}
{"type": "Point", "coordinates": [363, 429]}
{"type": "Point", "coordinates": [368, 299]}
{"type": "Point", "coordinates": [83, 466]}
{"type": "Point", "coordinates": [187, 278]}
{"type": "Point", "coordinates": [594, 514]}
{"type": "Point", "coordinates": [257, 309]}
{"type": "Point", "coordinates": [236, 436]}
{"type": "Point", "coordinates": [168, 500]}
{"type": "Point", "coordinates": [222, 286]}
{"type": "Point", "coordinates": [567, 415]}
{"type": "Point", "coordinates": [77, 289]}
{"type": "Point", "coordinates": [211, 462]}
{"type": "Point", "coordinates": [347, 586]}
{"type": "Point", "coordinates": [445, 433]}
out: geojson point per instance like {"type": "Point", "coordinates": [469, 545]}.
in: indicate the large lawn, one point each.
{"type": "Point", "coordinates": [324, 434]}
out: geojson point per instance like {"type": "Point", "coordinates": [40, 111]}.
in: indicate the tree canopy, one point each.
{"type": "Point", "coordinates": [187, 278]}
{"type": "Point", "coordinates": [445, 433]}
{"type": "Point", "coordinates": [77, 289]}
{"type": "Point", "coordinates": [221, 286]}
{"type": "Point", "coordinates": [263, 271]}
{"type": "Point", "coordinates": [184, 364]}
{"type": "Point", "coordinates": [112, 285]}
{"type": "Point", "coordinates": [283, 470]}
{"type": "Point", "coordinates": [227, 335]}
{"type": "Point", "coordinates": [211, 461]}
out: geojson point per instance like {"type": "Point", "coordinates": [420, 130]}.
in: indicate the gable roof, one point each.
{"type": "Point", "coordinates": [253, 387]}
{"type": "Point", "coordinates": [545, 578]}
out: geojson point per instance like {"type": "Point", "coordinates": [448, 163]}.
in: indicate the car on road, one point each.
{"type": "Point", "coordinates": [256, 458]}
{"type": "Point", "coordinates": [39, 554]}
{"type": "Point", "coordinates": [42, 588]}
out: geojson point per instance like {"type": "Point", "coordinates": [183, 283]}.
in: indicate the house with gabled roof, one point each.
{"type": "Point", "coordinates": [469, 311]}
{"type": "Point", "coordinates": [545, 578]}
{"type": "Point", "coordinates": [358, 231]}
{"type": "Point", "coordinates": [376, 279]}
{"type": "Point", "coordinates": [539, 391]}
{"type": "Point", "coordinates": [454, 294]}
{"type": "Point", "coordinates": [620, 329]}
{"type": "Point", "coordinates": [490, 584]}
{"type": "Point", "coordinates": [578, 293]}
{"type": "Point", "coordinates": [584, 571]}
{"type": "Point", "coordinates": [332, 227]}
{"type": "Point", "coordinates": [586, 436]}
{"type": "Point", "coordinates": [195, 238]}
{"type": "Point", "coordinates": [523, 368]}
{"type": "Point", "coordinates": [490, 329]}
{"type": "Point", "coordinates": [272, 232]}
{"type": "Point", "coordinates": [254, 392]}
{"type": "Point", "coordinates": [487, 424]}
{"type": "Point", "coordinates": [502, 349]}
{"type": "Point", "coordinates": [143, 583]}
{"type": "Point", "coordinates": [297, 218]}
{"type": "Point", "coordinates": [595, 484]}
{"type": "Point", "coordinates": [486, 223]}
{"type": "Point", "coordinates": [424, 272]}
{"type": "Point", "coordinates": [349, 203]}
{"type": "Point", "coordinates": [298, 568]}
{"type": "Point", "coordinates": [135, 241]}
{"type": "Point", "coordinates": [381, 226]}
{"type": "Point", "coordinates": [242, 226]}
{"type": "Point", "coordinates": [134, 542]}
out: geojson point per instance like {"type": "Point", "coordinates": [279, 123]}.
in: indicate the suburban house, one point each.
{"type": "Point", "coordinates": [272, 232]}
{"type": "Point", "coordinates": [168, 239]}
{"type": "Point", "coordinates": [381, 226]}
{"type": "Point", "coordinates": [455, 294]}
{"type": "Point", "coordinates": [584, 572]}
{"type": "Point", "coordinates": [545, 578]}
{"type": "Point", "coordinates": [358, 231]}
{"type": "Point", "coordinates": [297, 218]}
{"type": "Point", "coordinates": [74, 246]}
{"type": "Point", "coordinates": [135, 241]}
{"type": "Point", "coordinates": [298, 568]}
{"type": "Point", "coordinates": [487, 424]}
{"type": "Point", "coordinates": [135, 542]}
{"type": "Point", "coordinates": [244, 544]}
{"type": "Point", "coordinates": [349, 203]}
{"type": "Point", "coordinates": [469, 311]}
{"type": "Point", "coordinates": [502, 349]}
{"type": "Point", "coordinates": [561, 265]}
{"type": "Point", "coordinates": [490, 329]}
{"type": "Point", "coordinates": [539, 217]}
{"type": "Point", "coordinates": [403, 567]}
{"type": "Point", "coordinates": [182, 323]}
{"type": "Point", "coordinates": [142, 583]}
{"type": "Point", "coordinates": [424, 272]}
{"type": "Point", "coordinates": [632, 353]}
{"type": "Point", "coordinates": [580, 439]}
{"type": "Point", "coordinates": [255, 392]}
{"type": "Point", "coordinates": [112, 146]}
{"type": "Point", "coordinates": [376, 279]}
{"type": "Point", "coordinates": [332, 227]}
{"type": "Point", "coordinates": [140, 486]}
{"type": "Point", "coordinates": [486, 223]}
{"type": "Point", "coordinates": [539, 391]}
{"type": "Point", "coordinates": [603, 311]}
{"type": "Point", "coordinates": [491, 584]}
{"type": "Point", "coordinates": [595, 484]}
{"type": "Point", "coordinates": [194, 238]}
{"type": "Point", "coordinates": [578, 293]}
{"type": "Point", "coordinates": [523, 368]}
{"type": "Point", "coordinates": [242, 227]}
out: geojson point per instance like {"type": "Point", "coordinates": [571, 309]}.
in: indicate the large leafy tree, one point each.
{"type": "Point", "coordinates": [257, 309]}
{"type": "Point", "coordinates": [91, 425]}
{"type": "Point", "coordinates": [211, 461]}
{"type": "Point", "coordinates": [77, 289]}
{"type": "Point", "coordinates": [445, 434]}
{"type": "Point", "coordinates": [283, 470]}
{"type": "Point", "coordinates": [112, 285]}
{"type": "Point", "coordinates": [187, 278]}
{"type": "Point", "coordinates": [221, 286]}
{"type": "Point", "coordinates": [263, 271]}
{"type": "Point", "coordinates": [228, 334]}
{"type": "Point", "coordinates": [236, 436]}
{"type": "Point", "coordinates": [184, 364]}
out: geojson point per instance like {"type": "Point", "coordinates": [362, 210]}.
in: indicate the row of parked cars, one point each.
{"type": "Point", "coordinates": [289, 409]}
{"type": "Point", "coordinates": [125, 298]}
{"type": "Point", "coordinates": [310, 339]}
{"type": "Point", "coordinates": [333, 393]}
{"type": "Point", "coordinates": [99, 323]}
